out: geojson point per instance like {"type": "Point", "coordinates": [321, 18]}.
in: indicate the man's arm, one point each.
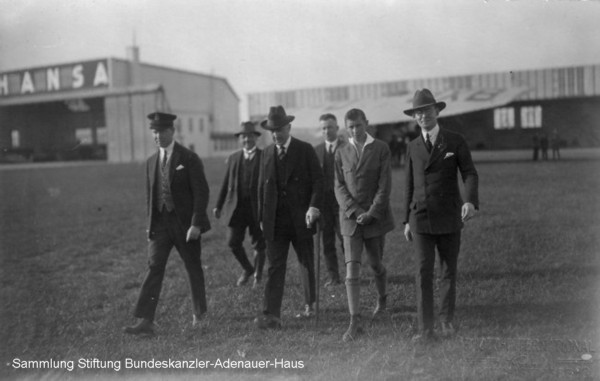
{"type": "Point", "coordinates": [224, 189]}
{"type": "Point", "coordinates": [381, 200]}
{"type": "Point", "coordinates": [348, 204]}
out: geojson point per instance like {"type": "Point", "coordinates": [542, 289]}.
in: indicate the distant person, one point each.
{"type": "Point", "coordinates": [330, 221]}
{"type": "Point", "coordinates": [177, 197]}
{"type": "Point", "coordinates": [434, 209]}
{"type": "Point", "coordinates": [289, 191]}
{"type": "Point", "coordinates": [238, 204]}
{"type": "Point", "coordinates": [536, 146]}
{"type": "Point", "coordinates": [363, 183]}
{"type": "Point", "coordinates": [555, 143]}
{"type": "Point", "coordinates": [544, 146]}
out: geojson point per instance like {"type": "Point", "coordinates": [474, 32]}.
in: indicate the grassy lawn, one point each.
{"type": "Point", "coordinates": [73, 255]}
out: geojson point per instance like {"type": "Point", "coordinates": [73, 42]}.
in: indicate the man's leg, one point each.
{"type": "Point", "coordinates": [277, 252]}
{"type": "Point", "coordinates": [306, 257]}
{"type": "Point", "coordinates": [374, 249]}
{"type": "Point", "coordinates": [448, 247]}
{"type": "Point", "coordinates": [259, 247]}
{"type": "Point", "coordinates": [354, 247]}
{"type": "Point", "coordinates": [425, 258]}
{"type": "Point", "coordinates": [328, 233]}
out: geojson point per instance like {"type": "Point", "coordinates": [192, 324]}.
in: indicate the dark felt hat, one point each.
{"type": "Point", "coordinates": [277, 118]}
{"type": "Point", "coordinates": [248, 128]}
{"type": "Point", "coordinates": [161, 120]}
{"type": "Point", "coordinates": [424, 98]}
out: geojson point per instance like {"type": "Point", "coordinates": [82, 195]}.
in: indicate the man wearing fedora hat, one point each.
{"type": "Point", "coordinates": [435, 211]}
{"type": "Point", "coordinates": [289, 194]}
{"type": "Point", "coordinates": [177, 197]}
{"type": "Point", "coordinates": [238, 203]}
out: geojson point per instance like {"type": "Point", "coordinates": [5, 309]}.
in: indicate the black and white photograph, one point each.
{"type": "Point", "coordinates": [300, 190]}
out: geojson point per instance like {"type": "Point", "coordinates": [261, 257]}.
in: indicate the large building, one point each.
{"type": "Point", "coordinates": [493, 110]}
{"type": "Point", "coordinates": [96, 109]}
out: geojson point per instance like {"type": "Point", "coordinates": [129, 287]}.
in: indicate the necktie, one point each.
{"type": "Point", "coordinates": [281, 154]}
{"type": "Point", "coordinates": [164, 161]}
{"type": "Point", "coordinates": [331, 149]}
{"type": "Point", "coordinates": [428, 143]}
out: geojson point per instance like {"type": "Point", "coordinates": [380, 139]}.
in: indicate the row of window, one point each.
{"type": "Point", "coordinates": [531, 117]}
{"type": "Point", "coordinates": [191, 125]}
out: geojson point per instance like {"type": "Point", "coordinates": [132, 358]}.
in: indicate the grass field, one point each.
{"type": "Point", "coordinates": [73, 255]}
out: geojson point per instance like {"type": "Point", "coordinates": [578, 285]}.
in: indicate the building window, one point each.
{"type": "Point", "coordinates": [191, 125]}
{"type": "Point", "coordinates": [531, 117]}
{"type": "Point", "coordinates": [201, 123]}
{"type": "Point", "coordinates": [15, 139]}
{"type": "Point", "coordinates": [504, 118]}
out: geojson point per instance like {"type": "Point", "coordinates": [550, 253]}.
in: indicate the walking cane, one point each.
{"type": "Point", "coordinates": [318, 275]}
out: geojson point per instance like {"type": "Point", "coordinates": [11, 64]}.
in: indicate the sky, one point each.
{"type": "Point", "coordinates": [267, 45]}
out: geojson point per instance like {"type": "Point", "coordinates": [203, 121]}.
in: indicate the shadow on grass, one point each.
{"type": "Point", "coordinates": [562, 271]}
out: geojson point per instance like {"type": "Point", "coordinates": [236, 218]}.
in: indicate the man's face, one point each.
{"type": "Point", "coordinates": [281, 134]}
{"type": "Point", "coordinates": [248, 141]}
{"type": "Point", "coordinates": [329, 128]}
{"type": "Point", "coordinates": [163, 137]}
{"type": "Point", "coordinates": [357, 129]}
{"type": "Point", "coordinates": [426, 117]}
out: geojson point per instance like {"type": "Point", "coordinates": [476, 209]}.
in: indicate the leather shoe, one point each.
{"type": "Point", "coordinates": [144, 326]}
{"type": "Point", "coordinates": [381, 306]}
{"type": "Point", "coordinates": [425, 338]}
{"type": "Point", "coordinates": [448, 330]}
{"type": "Point", "coordinates": [308, 312]}
{"type": "Point", "coordinates": [354, 329]}
{"type": "Point", "coordinates": [243, 279]}
{"type": "Point", "coordinates": [199, 321]}
{"type": "Point", "coordinates": [256, 282]}
{"type": "Point", "coordinates": [267, 322]}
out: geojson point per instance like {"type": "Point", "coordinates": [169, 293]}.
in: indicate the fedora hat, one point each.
{"type": "Point", "coordinates": [424, 98]}
{"type": "Point", "coordinates": [276, 118]}
{"type": "Point", "coordinates": [247, 129]}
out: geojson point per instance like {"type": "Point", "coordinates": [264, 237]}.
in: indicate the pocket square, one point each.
{"type": "Point", "coordinates": [179, 167]}
{"type": "Point", "coordinates": [449, 154]}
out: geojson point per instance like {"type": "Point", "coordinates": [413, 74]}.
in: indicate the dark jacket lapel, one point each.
{"type": "Point", "coordinates": [438, 149]}
{"type": "Point", "coordinates": [174, 161]}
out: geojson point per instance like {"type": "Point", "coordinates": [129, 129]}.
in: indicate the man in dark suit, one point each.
{"type": "Point", "coordinates": [177, 197]}
{"type": "Point", "coordinates": [363, 183]}
{"type": "Point", "coordinates": [289, 193]}
{"type": "Point", "coordinates": [434, 209]}
{"type": "Point", "coordinates": [330, 221]}
{"type": "Point", "coordinates": [238, 203]}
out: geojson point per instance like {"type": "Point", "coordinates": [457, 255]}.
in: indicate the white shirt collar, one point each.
{"type": "Point", "coordinates": [369, 140]}
{"type": "Point", "coordinates": [433, 134]}
{"type": "Point", "coordinates": [328, 144]}
{"type": "Point", "coordinates": [168, 149]}
{"type": "Point", "coordinates": [249, 154]}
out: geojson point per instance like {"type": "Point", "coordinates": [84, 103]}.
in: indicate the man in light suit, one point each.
{"type": "Point", "coordinates": [434, 209]}
{"type": "Point", "coordinates": [238, 204]}
{"type": "Point", "coordinates": [330, 221]}
{"type": "Point", "coordinates": [363, 183]}
{"type": "Point", "coordinates": [177, 197]}
{"type": "Point", "coordinates": [289, 194]}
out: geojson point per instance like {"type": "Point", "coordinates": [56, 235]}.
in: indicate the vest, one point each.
{"type": "Point", "coordinates": [163, 198]}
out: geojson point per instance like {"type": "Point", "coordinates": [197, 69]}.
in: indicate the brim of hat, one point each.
{"type": "Point", "coordinates": [247, 133]}
{"type": "Point", "coordinates": [440, 105]}
{"type": "Point", "coordinates": [263, 124]}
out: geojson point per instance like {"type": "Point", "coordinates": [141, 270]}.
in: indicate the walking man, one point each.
{"type": "Point", "coordinates": [289, 192]}
{"type": "Point", "coordinates": [363, 183]}
{"type": "Point", "coordinates": [177, 197]}
{"type": "Point", "coordinates": [238, 204]}
{"type": "Point", "coordinates": [434, 209]}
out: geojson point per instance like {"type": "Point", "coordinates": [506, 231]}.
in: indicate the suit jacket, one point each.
{"type": "Point", "coordinates": [364, 186]}
{"type": "Point", "coordinates": [321, 151]}
{"type": "Point", "coordinates": [432, 201]}
{"type": "Point", "coordinates": [304, 182]}
{"type": "Point", "coordinates": [228, 196]}
{"type": "Point", "coordinates": [188, 187]}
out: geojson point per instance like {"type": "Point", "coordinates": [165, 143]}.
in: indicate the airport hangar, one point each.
{"type": "Point", "coordinates": [96, 109]}
{"type": "Point", "coordinates": [501, 110]}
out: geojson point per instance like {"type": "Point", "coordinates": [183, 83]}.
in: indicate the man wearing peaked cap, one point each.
{"type": "Point", "coordinates": [237, 203]}
{"type": "Point", "coordinates": [434, 211]}
{"type": "Point", "coordinates": [177, 197]}
{"type": "Point", "coordinates": [289, 193]}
